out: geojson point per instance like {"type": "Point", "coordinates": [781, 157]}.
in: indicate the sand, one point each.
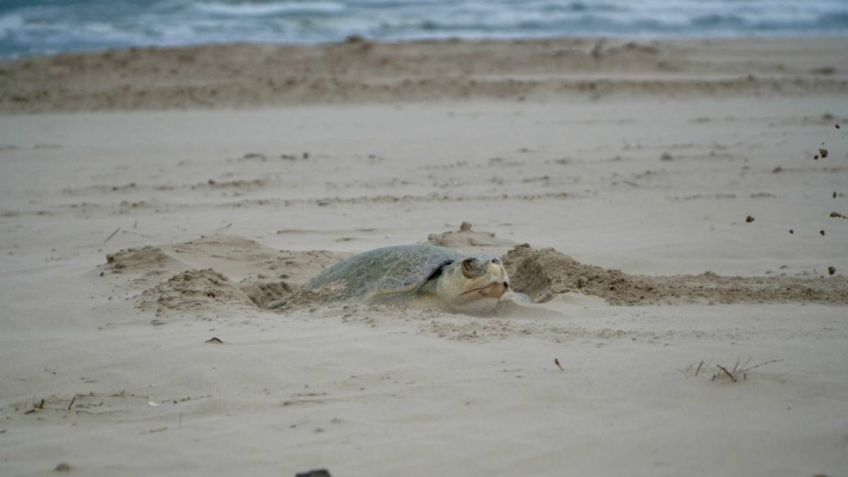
{"type": "Point", "coordinates": [671, 223]}
{"type": "Point", "coordinates": [360, 71]}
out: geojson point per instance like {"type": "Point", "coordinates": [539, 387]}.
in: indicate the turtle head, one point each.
{"type": "Point", "coordinates": [473, 284]}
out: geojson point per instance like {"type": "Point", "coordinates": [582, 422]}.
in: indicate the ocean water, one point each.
{"type": "Point", "coordinates": [36, 27]}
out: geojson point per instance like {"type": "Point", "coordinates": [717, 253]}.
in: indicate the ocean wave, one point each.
{"type": "Point", "coordinates": [9, 24]}
{"type": "Point", "coordinates": [51, 26]}
{"type": "Point", "coordinates": [251, 9]}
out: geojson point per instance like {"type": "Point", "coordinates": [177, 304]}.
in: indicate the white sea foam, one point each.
{"type": "Point", "coordinates": [30, 27]}
{"type": "Point", "coordinates": [263, 9]}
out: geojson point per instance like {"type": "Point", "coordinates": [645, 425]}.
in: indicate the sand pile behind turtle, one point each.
{"type": "Point", "coordinates": [193, 290]}
{"type": "Point", "coordinates": [544, 273]}
{"type": "Point", "coordinates": [214, 271]}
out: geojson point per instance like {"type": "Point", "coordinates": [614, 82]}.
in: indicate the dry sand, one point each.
{"type": "Point", "coordinates": [130, 238]}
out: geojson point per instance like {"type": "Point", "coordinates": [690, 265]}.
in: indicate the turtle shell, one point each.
{"type": "Point", "coordinates": [387, 270]}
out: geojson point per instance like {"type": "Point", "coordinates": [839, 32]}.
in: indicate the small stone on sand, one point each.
{"type": "Point", "coordinates": [831, 270]}
{"type": "Point", "coordinates": [314, 473]}
{"type": "Point", "coordinates": [749, 219]}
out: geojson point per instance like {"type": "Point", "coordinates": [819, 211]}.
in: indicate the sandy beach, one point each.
{"type": "Point", "coordinates": [675, 209]}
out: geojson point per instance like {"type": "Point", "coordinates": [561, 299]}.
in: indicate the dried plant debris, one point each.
{"type": "Point", "coordinates": [723, 373]}
{"type": "Point", "coordinates": [82, 404]}
{"type": "Point", "coordinates": [115, 232]}
{"type": "Point", "coordinates": [738, 372]}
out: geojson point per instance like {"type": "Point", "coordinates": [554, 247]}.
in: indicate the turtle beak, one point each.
{"type": "Point", "coordinates": [492, 290]}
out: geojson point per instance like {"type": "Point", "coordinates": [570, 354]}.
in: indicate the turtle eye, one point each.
{"type": "Point", "coordinates": [468, 266]}
{"type": "Point", "coordinates": [496, 261]}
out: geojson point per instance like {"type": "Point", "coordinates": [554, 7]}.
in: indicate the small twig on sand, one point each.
{"type": "Point", "coordinates": [739, 371]}
{"type": "Point", "coordinates": [763, 364]}
{"type": "Point", "coordinates": [112, 235]}
{"type": "Point", "coordinates": [36, 407]}
{"type": "Point", "coordinates": [556, 362]}
{"type": "Point", "coordinates": [73, 400]}
{"type": "Point", "coordinates": [732, 377]}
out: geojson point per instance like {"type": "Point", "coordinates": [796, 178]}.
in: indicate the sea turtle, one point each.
{"type": "Point", "coordinates": [463, 282]}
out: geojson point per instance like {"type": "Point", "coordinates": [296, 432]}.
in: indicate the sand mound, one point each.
{"type": "Point", "coordinates": [142, 260]}
{"type": "Point", "coordinates": [194, 290]}
{"type": "Point", "coordinates": [264, 295]}
{"type": "Point", "coordinates": [216, 270]}
{"type": "Point", "coordinates": [236, 257]}
{"type": "Point", "coordinates": [465, 238]}
{"type": "Point", "coordinates": [207, 288]}
{"type": "Point", "coordinates": [243, 259]}
{"type": "Point", "coordinates": [543, 273]}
